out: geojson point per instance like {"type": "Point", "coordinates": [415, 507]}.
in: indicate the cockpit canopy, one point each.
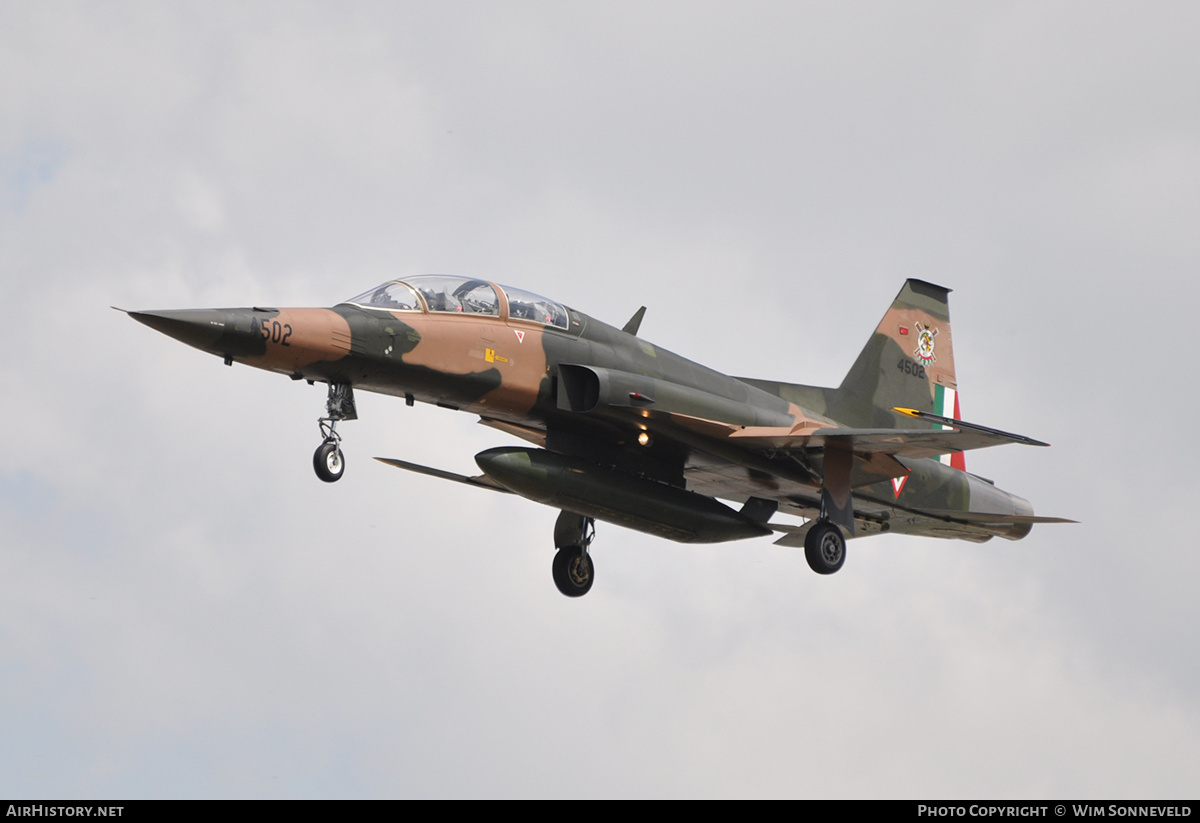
{"type": "Point", "coordinates": [460, 295]}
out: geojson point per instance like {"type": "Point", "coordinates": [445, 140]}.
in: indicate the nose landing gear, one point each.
{"type": "Point", "coordinates": [328, 461]}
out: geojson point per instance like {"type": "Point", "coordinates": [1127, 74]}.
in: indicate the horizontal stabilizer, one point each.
{"type": "Point", "coordinates": [975, 427]}
{"type": "Point", "coordinates": [985, 519]}
{"type": "Point", "coordinates": [480, 481]}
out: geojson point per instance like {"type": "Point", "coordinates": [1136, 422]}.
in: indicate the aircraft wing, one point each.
{"type": "Point", "coordinates": [874, 450]}
{"type": "Point", "coordinates": [914, 443]}
{"type": "Point", "coordinates": [892, 442]}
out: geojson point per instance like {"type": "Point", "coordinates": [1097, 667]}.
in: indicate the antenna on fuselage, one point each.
{"type": "Point", "coordinates": [635, 322]}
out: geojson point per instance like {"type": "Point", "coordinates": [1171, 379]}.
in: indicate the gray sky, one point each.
{"type": "Point", "coordinates": [185, 610]}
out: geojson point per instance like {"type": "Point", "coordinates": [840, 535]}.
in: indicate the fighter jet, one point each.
{"type": "Point", "coordinates": [628, 433]}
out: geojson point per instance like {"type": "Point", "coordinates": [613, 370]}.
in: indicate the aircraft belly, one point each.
{"type": "Point", "coordinates": [729, 481]}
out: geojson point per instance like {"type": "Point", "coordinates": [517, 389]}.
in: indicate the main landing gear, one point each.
{"type": "Point", "coordinates": [574, 571]}
{"type": "Point", "coordinates": [825, 547]}
{"type": "Point", "coordinates": [825, 542]}
{"type": "Point", "coordinates": [328, 461]}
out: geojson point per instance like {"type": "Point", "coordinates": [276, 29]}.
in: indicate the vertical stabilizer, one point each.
{"type": "Point", "coordinates": [908, 362]}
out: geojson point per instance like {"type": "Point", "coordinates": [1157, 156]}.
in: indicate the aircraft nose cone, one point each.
{"type": "Point", "coordinates": [196, 327]}
{"type": "Point", "coordinates": [225, 332]}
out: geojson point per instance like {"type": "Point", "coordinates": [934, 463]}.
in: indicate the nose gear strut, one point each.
{"type": "Point", "coordinates": [328, 461]}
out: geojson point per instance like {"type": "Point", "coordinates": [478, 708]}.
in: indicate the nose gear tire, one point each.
{"type": "Point", "coordinates": [328, 462]}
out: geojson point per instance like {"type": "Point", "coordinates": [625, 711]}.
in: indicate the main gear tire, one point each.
{"type": "Point", "coordinates": [825, 547]}
{"type": "Point", "coordinates": [574, 571]}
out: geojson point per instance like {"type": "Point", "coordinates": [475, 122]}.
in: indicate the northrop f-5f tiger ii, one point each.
{"type": "Point", "coordinates": [625, 432]}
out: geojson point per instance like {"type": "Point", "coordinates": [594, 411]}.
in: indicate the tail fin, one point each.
{"type": "Point", "coordinates": [908, 362]}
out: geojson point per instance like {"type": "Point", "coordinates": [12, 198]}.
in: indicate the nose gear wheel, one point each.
{"type": "Point", "coordinates": [329, 462]}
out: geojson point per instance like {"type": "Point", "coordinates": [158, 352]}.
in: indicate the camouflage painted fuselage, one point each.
{"type": "Point", "coordinates": [590, 392]}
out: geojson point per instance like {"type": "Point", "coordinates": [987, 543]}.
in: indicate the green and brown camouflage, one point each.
{"type": "Point", "coordinates": [629, 433]}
